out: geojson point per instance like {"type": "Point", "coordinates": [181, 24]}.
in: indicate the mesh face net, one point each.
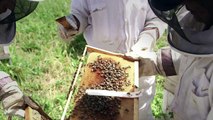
{"type": "Point", "coordinates": [10, 12]}
{"type": "Point", "coordinates": [19, 8]}
{"type": "Point", "coordinates": [170, 17]}
{"type": "Point", "coordinates": [185, 33]}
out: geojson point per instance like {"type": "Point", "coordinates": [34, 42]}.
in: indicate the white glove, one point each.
{"type": "Point", "coordinates": [12, 99]}
{"type": "Point", "coordinates": [67, 27]}
{"type": "Point", "coordinates": [145, 43]}
{"type": "Point", "coordinates": [147, 62]}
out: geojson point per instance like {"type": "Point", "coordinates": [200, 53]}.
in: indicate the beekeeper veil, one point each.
{"type": "Point", "coordinates": [185, 33]}
{"type": "Point", "coordinates": [10, 12]}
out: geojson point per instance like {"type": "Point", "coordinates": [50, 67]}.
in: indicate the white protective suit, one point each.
{"type": "Point", "coordinates": [194, 93]}
{"type": "Point", "coordinates": [121, 26]}
{"type": "Point", "coordinates": [117, 26]}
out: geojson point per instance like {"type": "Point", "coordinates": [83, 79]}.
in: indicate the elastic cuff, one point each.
{"type": "Point", "coordinates": [167, 62]}
{"type": "Point", "coordinates": [72, 21]}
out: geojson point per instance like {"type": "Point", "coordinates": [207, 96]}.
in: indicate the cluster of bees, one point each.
{"type": "Point", "coordinates": [114, 76]}
{"type": "Point", "coordinates": [97, 107]}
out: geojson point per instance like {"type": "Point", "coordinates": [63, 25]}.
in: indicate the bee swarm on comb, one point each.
{"type": "Point", "coordinates": [114, 77]}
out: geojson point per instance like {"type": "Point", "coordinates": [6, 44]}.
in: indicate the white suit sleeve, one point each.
{"type": "Point", "coordinates": [79, 9]}
{"type": "Point", "coordinates": [3, 75]}
{"type": "Point", "coordinates": [11, 96]}
{"type": "Point", "coordinates": [4, 79]}
{"type": "Point", "coordinates": [153, 29]}
{"type": "Point", "coordinates": [210, 114]}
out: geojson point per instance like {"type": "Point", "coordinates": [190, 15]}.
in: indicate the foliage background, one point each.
{"type": "Point", "coordinates": [43, 65]}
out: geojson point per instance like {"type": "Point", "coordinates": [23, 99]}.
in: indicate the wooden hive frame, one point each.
{"type": "Point", "coordinates": [90, 49]}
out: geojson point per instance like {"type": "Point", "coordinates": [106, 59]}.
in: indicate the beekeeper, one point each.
{"type": "Point", "coordinates": [119, 26]}
{"type": "Point", "coordinates": [190, 57]}
{"type": "Point", "coordinates": [11, 11]}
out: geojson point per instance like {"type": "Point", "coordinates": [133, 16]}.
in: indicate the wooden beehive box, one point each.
{"type": "Point", "coordinates": [128, 107]}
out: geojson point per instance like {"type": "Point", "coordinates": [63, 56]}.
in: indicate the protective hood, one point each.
{"type": "Point", "coordinates": [14, 11]}
{"type": "Point", "coordinates": [200, 41]}
{"type": "Point", "coordinates": [185, 33]}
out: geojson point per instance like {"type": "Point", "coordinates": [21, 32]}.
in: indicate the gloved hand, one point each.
{"type": "Point", "coordinates": [147, 62]}
{"type": "Point", "coordinates": [67, 27]}
{"type": "Point", "coordinates": [12, 98]}
{"type": "Point", "coordinates": [145, 43]}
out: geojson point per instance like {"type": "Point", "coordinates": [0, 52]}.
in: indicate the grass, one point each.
{"type": "Point", "coordinates": [43, 65]}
